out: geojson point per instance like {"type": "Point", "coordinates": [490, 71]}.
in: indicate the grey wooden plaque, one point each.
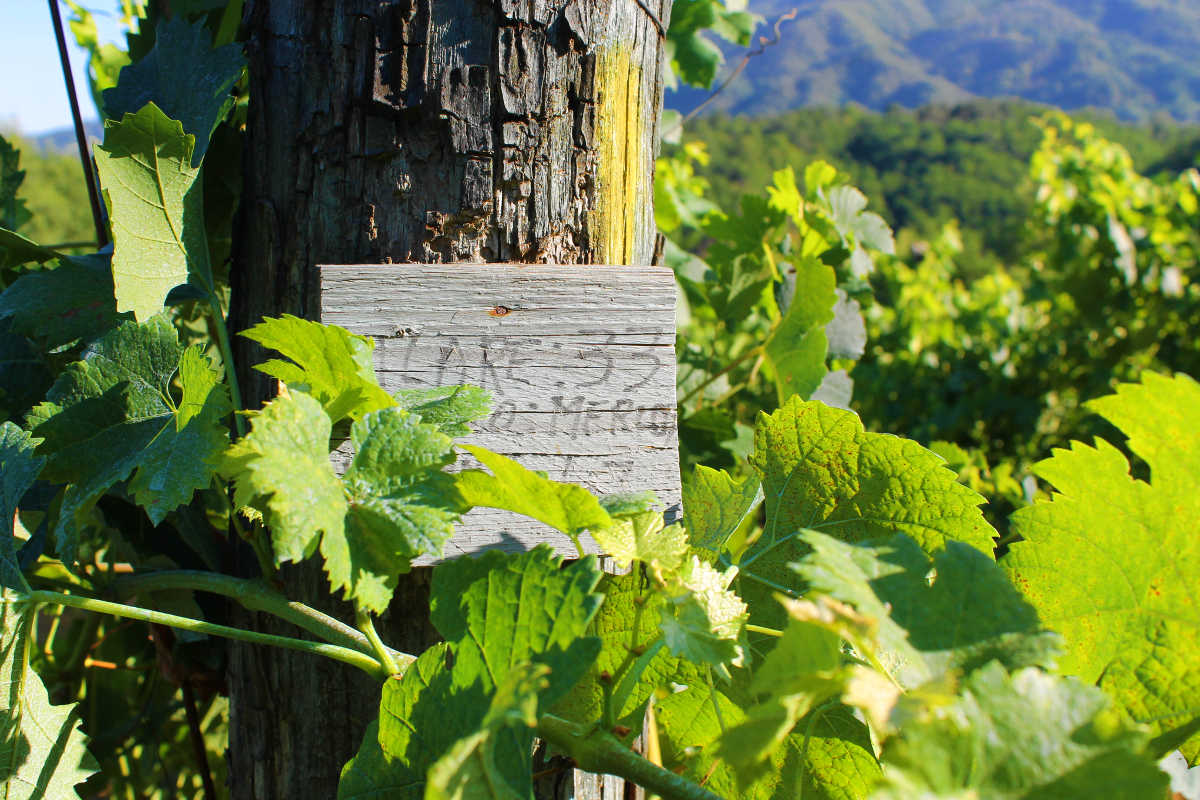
{"type": "Point", "coordinates": [580, 362]}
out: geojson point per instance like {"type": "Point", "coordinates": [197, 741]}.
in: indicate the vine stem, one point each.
{"type": "Point", "coordinates": [344, 654]}
{"type": "Point", "coordinates": [367, 626]}
{"type": "Point", "coordinates": [598, 750]}
{"type": "Point", "coordinates": [256, 595]}
{"type": "Point", "coordinates": [226, 349]}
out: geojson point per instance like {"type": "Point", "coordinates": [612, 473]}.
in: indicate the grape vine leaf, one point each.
{"type": "Point", "coordinates": [858, 227]}
{"type": "Point", "coordinates": [470, 769]}
{"type": "Point", "coordinates": [703, 620]}
{"type": "Point", "coordinates": [13, 213]}
{"type": "Point", "coordinates": [24, 374]}
{"type": "Point", "coordinates": [156, 207]}
{"type": "Point", "coordinates": [715, 505]}
{"type": "Point", "coordinates": [632, 662]}
{"type": "Point", "coordinates": [797, 348]}
{"type": "Point", "coordinates": [450, 408]}
{"type": "Point", "coordinates": [15, 250]}
{"type": "Point", "coordinates": [400, 504]}
{"type": "Point", "coordinates": [43, 752]}
{"type": "Point", "coordinates": [834, 761]}
{"type": "Point", "coordinates": [330, 363]}
{"type": "Point", "coordinates": [1106, 561]}
{"type": "Point", "coordinates": [499, 613]}
{"type": "Point", "coordinates": [19, 468]}
{"type": "Point", "coordinates": [184, 76]}
{"type": "Point", "coordinates": [58, 306]}
{"type": "Point", "coordinates": [694, 57]}
{"type": "Point", "coordinates": [566, 507]}
{"type": "Point", "coordinates": [820, 470]}
{"type": "Point", "coordinates": [643, 537]}
{"type": "Point", "coordinates": [954, 610]}
{"type": "Point", "coordinates": [1028, 734]}
{"type": "Point", "coordinates": [111, 415]}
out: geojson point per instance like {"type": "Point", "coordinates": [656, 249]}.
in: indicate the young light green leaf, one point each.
{"type": "Point", "coordinates": [499, 613]}
{"type": "Point", "coordinates": [955, 610]}
{"type": "Point", "coordinates": [156, 208]}
{"type": "Point", "coordinates": [703, 622]}
{"type": "Point", "coordinates": [821, 470]}
{"type": "Point", "coordinates": [43, 752]}
{"type": "Point", "coordinates": [858, 227]}
{"type": "Point", "coordinates": [111, 415]}
{"type": "Point", "coordinates": [450, 408]}
{"type": "Point", "coordinates": [563, 506]}
{"type": "Point", "coordinates": [57, 306]}
{"type": "Point", "coordinates": [400, 504]}
{"type": "Point", "coordinates": [330, 363]}
{"type": "Point", "coordinates": [1023, 735]}
{"type": "Point", "coordinates": [184, 76]}
{"type": "Point", "coordinates": [642, 537]}
{"type": "Point", "coordinates": [715, 505]}
{"type": "Point", "coordinates": [282, 469]}
{"type": "Point", "coordinates": [1127, 611]}
{"type": "Point", "coordinates": [19, 468]}
{"type": "Point", "coordinates": [628, 504]}
{"type": "Point", "coordinates": [796, 350]}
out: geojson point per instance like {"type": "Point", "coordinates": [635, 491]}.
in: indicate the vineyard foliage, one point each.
{"type": "Point", "coordinates": [837, 615]}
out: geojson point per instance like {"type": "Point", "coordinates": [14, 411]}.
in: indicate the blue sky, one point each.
{"type": "Point", "coordinates": [33, 99]}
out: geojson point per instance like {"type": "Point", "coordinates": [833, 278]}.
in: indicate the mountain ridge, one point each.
{"type": "Point", "coordinates": [1133, 57]}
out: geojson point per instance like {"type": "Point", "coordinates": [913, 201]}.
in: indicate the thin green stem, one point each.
{"type": "Point", "coordinates": [382, 652]}
{"type": "Point", "coordinates": [751, 353]}
{"type": "Point", "coordinates": [235, 392]}
{"type": "Point", "coordinates": [343, 654]}
{"type": "Point", "coordinates": [256, 595]}
{"type": "Point", "coordinates": [599, 751]}
{"type": "Point", "coordinates": [764, 631]}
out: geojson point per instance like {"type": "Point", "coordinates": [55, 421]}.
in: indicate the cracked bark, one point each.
{"type": "Point", "coordinates": [432, 131]}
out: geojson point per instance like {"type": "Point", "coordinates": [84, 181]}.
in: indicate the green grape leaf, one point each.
{"type": "Point", "coordinates": [566, 507]}
{"type": "Point", "coordinates": [821, 470]}
{"type": "Point", "coordinates": [156, 208]}
{"type": "Point", "coordinates": [703, 622]}
{"type": "Point", "coordinates": [499, 613]}
{"type": "Point", "coordinates": [13, 213]}
{"type": "Point", "coordinates": [400, 504]}
{"type": "Point", "coordinates": [1023, 735]}
{"type": "Point", "coordinates": [858, 228]}
{"type": "Point", "coordinates": [797, 348]}
{"type": "Point", "coordinates": [1106, 560]}
{"type": "Point", "coordinates": [643, 537]}
{"type": "Point", "coordinates": [470, 769]}
{"type": "Point", "coordinates": [955, 610]}
{"type": "Point", "coordinates": [694, 57]}
{"type": "Point", "coordinates": [19, 468]}
{"type": "Point", "coordinates": [628, 504]}
{"type": "Point", "coordinates": [847, 331]}
{"type": "Point", "coordinates": [15, 250]}
{"type": "Point", "coordinates": [450, 408]}
{"type": "Point", "coordinates": [24, 374]}
{"type": "Point", "coordinates": [715, 505]}
{"type": "Point", "coordinates": [58, 306]}
{"type": "Point", "coordinates": [829, 759]}
{"type": "Point", "coordinates": [184, 76]}
{"type": "Point", "coordinates": [111, 415]}
{"type": "Point", "coordinates": [330, 363]}
{"type": "Point", "coordinates": [282, 469]}
{"type": "Point", "coordinates": [632, 662]}
{"type": "Point", "coordinates": [43, 752]}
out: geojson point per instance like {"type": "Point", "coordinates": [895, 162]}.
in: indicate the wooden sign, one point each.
{"type": "Point", "coordinates": [580, 362]}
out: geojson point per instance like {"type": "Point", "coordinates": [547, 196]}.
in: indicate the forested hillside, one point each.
{"type": "Point", "coordinates": [921, 168]}
{"type": "Point", "coordinates": [1135, 57]}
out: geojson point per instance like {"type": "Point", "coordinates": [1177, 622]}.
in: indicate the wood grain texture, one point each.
{"type": "Point", "coordinates": [580, 363]}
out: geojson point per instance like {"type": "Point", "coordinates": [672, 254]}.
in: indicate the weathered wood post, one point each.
{"type": "Point", "coordinates": [422, 132]}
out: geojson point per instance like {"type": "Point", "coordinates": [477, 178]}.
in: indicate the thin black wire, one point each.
{"type": "Point", "coordinates": [85, 159]}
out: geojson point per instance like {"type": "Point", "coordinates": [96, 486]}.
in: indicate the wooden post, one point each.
{"type": "Point", "coordinates": [430, 131]}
